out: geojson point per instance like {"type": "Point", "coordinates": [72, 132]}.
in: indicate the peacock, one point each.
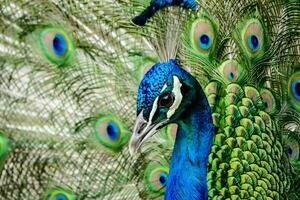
{"type": "Point", "coordinates": [112, 100]}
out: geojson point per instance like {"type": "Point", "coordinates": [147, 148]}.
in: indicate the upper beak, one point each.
{"type": "Point", "coordinates": [141, 132]}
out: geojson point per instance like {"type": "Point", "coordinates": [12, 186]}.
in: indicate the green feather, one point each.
{"type": "Point", "coordinates": [4, 148]}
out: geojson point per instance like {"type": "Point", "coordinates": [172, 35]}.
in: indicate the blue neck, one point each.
{"type": "Point", "coordinates": [187, 177]}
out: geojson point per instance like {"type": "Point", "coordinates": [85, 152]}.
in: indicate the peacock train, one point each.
{"type": "Point", "coordinates": [149, 99]}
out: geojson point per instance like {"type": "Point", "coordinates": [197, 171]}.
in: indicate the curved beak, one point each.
{"type": "Point", "coordinates": [142, 131]}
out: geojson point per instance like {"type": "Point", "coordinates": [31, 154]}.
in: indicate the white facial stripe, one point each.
{"type": "Point", "coordinates": [164, 87]}
{"type": "Point", "coordinates": [178, 96]}
{"type": "Point", "coordinates": [154, 106]}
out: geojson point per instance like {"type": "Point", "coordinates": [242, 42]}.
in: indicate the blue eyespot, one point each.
{"type": "Point", "coordinates": [155, 177]}
{"type": "Point", "coordinates": [289, 151]}
{"type": "Point", "coordinates": [61, 197]}
{"type": "Point", "coordinates": [296, 89]}
{"type": "Point", "coordinates": [59, 45]}
{"type": "Point", "coordinates": [163, 179]}
{"type": "Point", "coordinates": [266, 105]}
{"type": "Point", "coordinates": [204, 41]}
{"type": "Point", "coordinates": [112, 131]}
{"type": "Point", "coordinates": [231, 75]}
{"type": "Point", "coordinates": [253, 42]}
{"type": "Point", "coordinates": [231, 71]}
{"type": "Point", "coordinates": [292, 150]}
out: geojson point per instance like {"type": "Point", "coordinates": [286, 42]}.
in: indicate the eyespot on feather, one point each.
{"type": "Point", "coordinates": [291, 148]}
{"type": "Point", "coordinates": [253, 94]}
{"type": "Point", "coordinates": [231, 71]}
{"type": "Point", "coordinates": [253, 37]}
{"type": "Point", "coordinates": [268, 101]}
{"type": "Point", "coordinates": [294, 90]}
{"type": "Point", "coordinates": [203, 36]}
{"type": "Point", "coordinates": [156, 178]}
{"type": "Point", "coordinates": [56, 44]}
{"type": "Point", "coordinates": [172, 131]}
{"type": "Point", "coordinates": [61, 197]}
{"type": "Point", "coordinates": [111, 133]}
{"type": "Point", "coordinates": [59, 194]}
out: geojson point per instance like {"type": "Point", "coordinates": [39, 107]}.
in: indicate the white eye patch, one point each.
{"type": "Point", "coordinates": [178, 96]}
{"type": "Point", "coordinates": [154, 107]}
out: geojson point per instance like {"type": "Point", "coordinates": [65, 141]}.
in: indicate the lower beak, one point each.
{"type": "Point", "coordinates": [141, 132]}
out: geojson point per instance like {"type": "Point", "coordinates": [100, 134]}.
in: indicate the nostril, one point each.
{"type": "Point", "coordinates": [141, 128]}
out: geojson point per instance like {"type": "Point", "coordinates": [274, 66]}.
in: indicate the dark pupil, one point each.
{"type": "Point", "coordinates": [289, 150]}
{"type": "Point", "coordinates": [204, 39]}
{"type": "Point", "coordinates": [57, 44]}
{"type": "Point", "coordinates": [254, 41]}
{"type": "Point", "coordinates": [167, 100]}
{"type": "Point", "coordinates": [298, 88]}
{"type": "Point", "coordinates": [111, 132]}
{"type": "Point", "coordinates": [162, 180]}
{"type": "Point", "coordinates": [266, 105]}
{"type": "Point", "coordinates": [231, 75]}
{"type": "Point", "coordinates": [61, 197]}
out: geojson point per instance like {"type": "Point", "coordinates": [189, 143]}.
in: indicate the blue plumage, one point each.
{"type": "Point", "coordinates": [152, 83]}
{"type": "Point", "coordinates": [156, 5]}
{"type": "Point", "coordinates": [187, 175]}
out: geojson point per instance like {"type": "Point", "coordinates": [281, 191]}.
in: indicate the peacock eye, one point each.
{"type": "Point", "coordinates": [59, 45]}
{"type": "Point", "coordinates": [110, 132]}
{"type": "Point", "coordinates": [202, 36]}
{"type": "Point", "coordinates": [253, 42]}
{"type": "Point", "coordinates": [56, 45]}
{"type": "Point", "coordinates": [294, 90]}
{"type": "Point", "coordinates": [61, 197]}
{"type": "Point", "coordinates": [295, 87]}
{"type": "Point", "coordinates": [166, 100]}
{"type": "Point", "coordinates": [156, 177]}
{"type": "Point", "coordinates": [172, 131]}
{"type": "Point", "coordinates": [291, 148]}
{"type": "Point", "coordinates": [269, 103]}
{"type": "Point", "coordinates": [59, 194]}
{"type": "Point", "coordinates": [231, 71]}
{"type": "Point", "coordinates": [163, 178]}
{"type": "Point", "coordinates": [204, 41]}
{"type": "Point", "coordinates": [253, 37]}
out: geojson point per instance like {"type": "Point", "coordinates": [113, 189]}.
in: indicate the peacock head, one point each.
{"type": "Point", "coordinates": [164, 95]}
